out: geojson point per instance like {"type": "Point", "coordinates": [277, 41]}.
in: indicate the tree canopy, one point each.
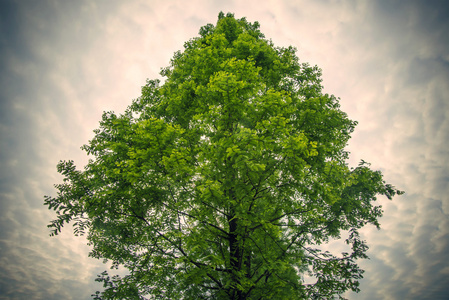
{"type": "Point", "coordinates": [223, 181]}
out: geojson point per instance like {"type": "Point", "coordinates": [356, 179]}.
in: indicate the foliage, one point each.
{"type": "Point", "coordinates": [222, 182]}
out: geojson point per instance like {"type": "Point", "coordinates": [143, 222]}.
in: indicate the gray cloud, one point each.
{"type": "Point", "coordinates": [64, 63]}
{"type": "Point", "coordinates": [404, 132]}
{"type": "Point", "coordinates": [38, 126]}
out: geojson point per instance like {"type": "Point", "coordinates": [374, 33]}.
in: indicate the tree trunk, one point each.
{"type": "Point", "coordinates": [236, 255]}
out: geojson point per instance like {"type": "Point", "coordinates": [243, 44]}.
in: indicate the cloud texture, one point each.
{"type": "Point", "coordinates": [64, 63]}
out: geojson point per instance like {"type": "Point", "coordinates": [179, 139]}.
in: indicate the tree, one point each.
{"type": "Point", "coordinates": [223, 182]}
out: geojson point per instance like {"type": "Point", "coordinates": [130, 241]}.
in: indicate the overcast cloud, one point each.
{"type": "Point", "coordinates": [63, 63]}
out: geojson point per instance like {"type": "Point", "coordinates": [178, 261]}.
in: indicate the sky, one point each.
{"type": "Point", "coordinates": [62, 63]}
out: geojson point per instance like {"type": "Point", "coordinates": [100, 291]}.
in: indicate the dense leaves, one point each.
{"type": "Point", "coordinates": [223, 182]}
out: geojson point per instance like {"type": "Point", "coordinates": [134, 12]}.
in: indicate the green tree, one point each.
{"type": "Point", "coordinates": [222, 182]}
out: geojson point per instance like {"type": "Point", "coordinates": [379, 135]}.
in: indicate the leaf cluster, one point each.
{"type": "Point", "coordinates": [223, 182]}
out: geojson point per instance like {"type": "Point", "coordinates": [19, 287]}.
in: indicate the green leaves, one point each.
{"type": "Point", "coordinates": [220, 183]}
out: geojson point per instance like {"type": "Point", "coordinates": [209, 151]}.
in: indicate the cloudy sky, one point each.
{"type": "Point", "coordinates": [62, 63]}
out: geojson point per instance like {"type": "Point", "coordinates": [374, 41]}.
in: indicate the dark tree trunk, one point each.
{"type": "Point", "coordinates": [236, 258]}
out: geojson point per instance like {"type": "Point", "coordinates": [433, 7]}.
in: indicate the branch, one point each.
{"type": "Point", "coordinates": [280, 217]}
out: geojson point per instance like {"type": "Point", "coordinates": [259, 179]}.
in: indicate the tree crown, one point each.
{"type": "Point", "coordinates": [222, 182]}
